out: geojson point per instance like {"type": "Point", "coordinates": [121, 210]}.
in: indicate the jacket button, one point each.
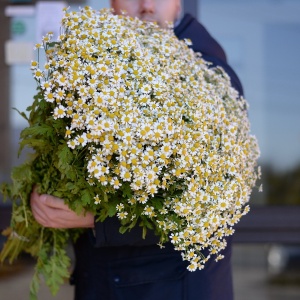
{"type": "Point", "coordinates": [117, 279]}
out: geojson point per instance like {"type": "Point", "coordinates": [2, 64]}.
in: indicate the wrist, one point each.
{"type": "Point", "coordinates": [89, 220]}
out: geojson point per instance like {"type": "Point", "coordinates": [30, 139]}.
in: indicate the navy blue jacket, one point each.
{"type": "Point", "coordinates": [114, 266]}
{"type": "Point", "coordinates": [204, 43]}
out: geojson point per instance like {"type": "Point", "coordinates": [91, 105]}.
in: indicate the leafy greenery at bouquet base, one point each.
{"type": "Point", "coordinates": [57, 170]}
{"type": "Point", "coordinates": [130, 122]}
{"type": "Point", "coordinates": [54, 169]}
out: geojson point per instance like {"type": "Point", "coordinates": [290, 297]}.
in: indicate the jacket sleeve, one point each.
{"type": "Point", "coordinates": [203, 42]}
{"type": "Point", "coordinates": [235, 82]}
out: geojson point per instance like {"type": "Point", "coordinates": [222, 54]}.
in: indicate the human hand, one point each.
{"type": "Point", "coordinates": [50, 211]}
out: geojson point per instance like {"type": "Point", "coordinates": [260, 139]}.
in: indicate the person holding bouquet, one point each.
{"type": "Point", "coordinates": [111, 265]}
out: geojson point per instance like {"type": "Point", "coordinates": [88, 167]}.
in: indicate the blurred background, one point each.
{"type": "Point", "coordinates": [262, 42]}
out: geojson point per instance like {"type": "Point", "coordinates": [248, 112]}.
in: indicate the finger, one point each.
{"type": "Point", "coordinates": [47, 216]}
{"type": "Point", "coordinates": [34, 194]}
{"type": "Point", "coordinates": [53, 202]}
{"type": "Point", "coordinates": [39, 214]}
{"type": "Point", "coordinates": [35, 200]}
{"type": "Point", "coordinates": [45, 200]}
{"type": "Point", "coordinates": [35, 188]}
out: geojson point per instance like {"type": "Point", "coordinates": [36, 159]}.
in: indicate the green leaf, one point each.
{"type": "Point", "coordinates": [65, 155]}
{"type": "Point", "coordinates": [37, 136]}
{"type": "Point", "coordinates": [125, 228]}
{"type": "Point", "coordinates": [19, 219]}
{"type": "Point", "coordinates": [112, 210]}
{"type": "Point", "coordinates": [145, 224]}
{"type": "Point", "coordinates": [127, 192]}
{"type": "Point", "coordinates": [105, 198]}
{"type": "Point", "coordinates": [5, 190]}
{"type": "Point", "coordinates": [37, 144]}
{"type": "Point", "coordinates": [157, 202]}
{"type": "Point", "coordinates": [86, 197]}
{"type": "Point", "coordinates": [102, 215]}
{"type": "Point", "coordinates": [19, 172]}
{"type": "Point", "coordinates": [34, 286]}
{"type": "Point", "coordinates": [56, 270]}
{"type": "Point", "coordinates": [71, 186]}
{"type": "Point", "coordinates": [52, 44]}
{"type": "Point", "coordinates": [22, 114]}
{"type": "Point", "coordinates": [144, 232]}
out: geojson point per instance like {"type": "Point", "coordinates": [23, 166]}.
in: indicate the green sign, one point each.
{"type": "Point", "coordinates": [18, 27]}
{"type": "Point", "coordinates": [19, 1]}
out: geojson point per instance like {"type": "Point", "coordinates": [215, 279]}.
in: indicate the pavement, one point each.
{"type": "Point", "coordinates": [250, 275]}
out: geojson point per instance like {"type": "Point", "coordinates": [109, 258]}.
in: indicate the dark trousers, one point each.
{"type": "Point", "coordinates": [146, 273]}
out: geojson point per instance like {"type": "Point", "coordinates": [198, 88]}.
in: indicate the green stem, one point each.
{"type": "Point", "coordinates": [80, 155]}
{"type": "Point", "coordinates": [25, 209]}
{"type": "Point", "coordinates": [42, 237]}
{"type": "Point", "coordinates": [54, 242]}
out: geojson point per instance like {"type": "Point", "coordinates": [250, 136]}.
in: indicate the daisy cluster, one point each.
{"type": "Point", "coordinates": [155, 117]}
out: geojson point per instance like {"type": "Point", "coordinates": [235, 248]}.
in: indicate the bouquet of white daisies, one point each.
{"type": "Point", "coordinates": [130, 122]}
